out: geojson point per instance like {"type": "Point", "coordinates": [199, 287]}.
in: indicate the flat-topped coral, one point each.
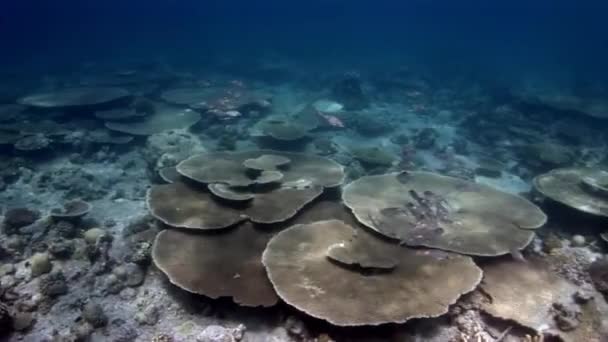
{"type": "Point", "coordinates": [165, 118]}
{"type": "Point", "coordinates": [72, 210]}
{"type": "Point", "coordinates": [228, 261]}
{"type": "Point", "coordinates": [583, 189]}
{"type": "Point", "coordinates": [229, 193]}
{"type": "Point", "coordinates": [74, 97]}
{"type": "Point", "coordinates": [226, 264]}
{"type": "Point", "coordinates": [530, 294]}
{"type": "Point", "coordinates": [184, 206]}
{"type": "Point", "coordinates": [426, 209]}
{"type": "Point", "coordinates": [370, 277]}
{"type": "Point", "coordinates": [169, 174]}
{"type": "Point", "coordinates": [266, 162]}
{"type": "Point", "coordinates": [229, 168]}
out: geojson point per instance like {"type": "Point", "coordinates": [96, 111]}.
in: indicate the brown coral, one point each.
{"type": "Point", "coordinates": [225, 264]}
{"type": "Point", "coordinates": [379, 283]}
{"type": "Point", "coordinates": [426, 209]}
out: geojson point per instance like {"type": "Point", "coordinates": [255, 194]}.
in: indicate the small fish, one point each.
{"type": "Point", "coordinates": [516, 254]}
{"type": "Point", "coordinates": [332, 120]}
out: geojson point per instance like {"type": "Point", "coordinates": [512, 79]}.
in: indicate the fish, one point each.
{"type": "Point", "coordinates": [332, 120]}
{"type": "Point", "coordinates": [516, 254]}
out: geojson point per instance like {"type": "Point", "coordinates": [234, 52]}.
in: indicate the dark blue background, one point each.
{"type": "Point", "coordinates": [563, 38]}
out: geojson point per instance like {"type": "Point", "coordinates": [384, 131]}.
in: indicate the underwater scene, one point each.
{"type": "Point", "coordinates": [290, 171]}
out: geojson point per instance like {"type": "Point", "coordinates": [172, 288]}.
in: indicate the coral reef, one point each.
{"type": "Point", "coordinates": [139, 205]}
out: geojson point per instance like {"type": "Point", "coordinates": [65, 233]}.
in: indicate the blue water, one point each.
{"type": "Point", "coordinates": [566, 40]}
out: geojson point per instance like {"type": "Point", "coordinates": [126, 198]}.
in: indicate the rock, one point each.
{"type": "Point", "coordinates": [131, 274]}
{"type": "Point", "coordinates": [19, 217]}
{"type": "Point", "coordinates": [124, 332]}
{"type": "Point", "coordinates": [141, 253]}
{"type": "Point", "coordinates": [65, 229]}
{"type": "Point", "coordinates": [111, 284]}
{"type": "Point", "coordinates": [551, 242]}
{"type": "Point", "coordinates": [215, 333]}
{"type": "Point", "coordinates": [6, 282]}
{"type": "Point", "coordinates": [31, 304]}
{"type": "Point", "coordinates": [62, 249]}
{"type": "Point", "coordinates": [81, 331]}
{"type": "Point", "coordinates": [599, 275]}
{"type": "Point", "coordinates": [584, 294]}
{"type": "Point", "coordinates": [162, 338]}
{"type": "Point", "coordinates": [566, 316]}
{"type": "Point", "coordinates": [170, 147]}
{"type": "Point", "coordinates": [40, 264]}
{"type": "Point", "coordinates": [565, 323]}
{"type": "Point", "coordinates": [148, 316]}
{"type": "Point", "coordinates": [128, 293]}
{"type": "Point", "coordinates": [4, 252]}
{"type": "Point", "coordinates": [53, 285]}
{"type": "Point", "coordinates": [92, 235]}
{"type": "Point", "coordinates": [7, 269]}
{"type": "Point", "coordinates": [578, 241]}
{"type": "Point", "coordinates": [239, 332]}
{"type": "Point", "coordinates": [23, 321]}
{"type": "Point", "coordinates": [6, 321]}
{"type": "Point", "coordinates": [94, 315]}
{"type": "Point", "coordinates": [295, 327]}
